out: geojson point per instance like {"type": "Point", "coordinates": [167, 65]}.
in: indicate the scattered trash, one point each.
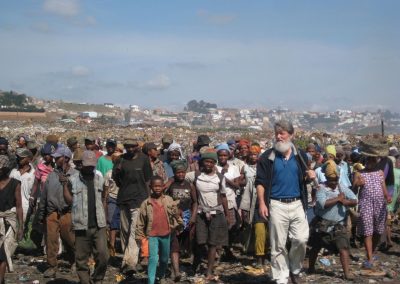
{"type": "Point", "coordinates": [24, 277]}
{"type": "Point", "coordinates": [325, 261]}
{"type": "Point", "coordinates": [119, 277]}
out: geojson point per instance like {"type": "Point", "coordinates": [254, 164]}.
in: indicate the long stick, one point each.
{"type": "Point", "coordinates": [315, 180]}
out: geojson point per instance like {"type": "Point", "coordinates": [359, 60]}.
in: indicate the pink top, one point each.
{"type": "Point", "coordinates": [42, 171]}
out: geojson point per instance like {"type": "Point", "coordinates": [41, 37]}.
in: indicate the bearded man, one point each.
{"type": "Point", "coordinates": [282, 194]}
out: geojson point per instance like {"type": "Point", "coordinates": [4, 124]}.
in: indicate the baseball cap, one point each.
{"type": "Point", "coordinates": [62, 151]}
{"type": "Point", "coordinates": [23, 153]}
{"type": "Point", "coordinates": [89, 159]}
{"type": "Point", "coordinates": [203, 140]}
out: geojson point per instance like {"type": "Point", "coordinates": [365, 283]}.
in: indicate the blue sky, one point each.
{"type": "Point", "coordinates": [308, 55]}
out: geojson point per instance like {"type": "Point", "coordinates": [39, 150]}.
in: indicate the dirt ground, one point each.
{"type": "Point", "coordinates": [30, 267]}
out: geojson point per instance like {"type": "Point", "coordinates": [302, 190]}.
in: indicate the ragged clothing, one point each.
{"type": "Point", "coordinates": [8, 236]}
{"type": "Point", "coordinates": [146, 218]}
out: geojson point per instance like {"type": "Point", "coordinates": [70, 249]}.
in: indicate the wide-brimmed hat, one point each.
{"type": "Point", "coordinates": [374, 148]}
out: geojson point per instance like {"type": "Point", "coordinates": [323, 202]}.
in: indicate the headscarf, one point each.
{"type": "Point", "coordinates": [330, 149]}
{"type": "Point", "coordinates": [209, 153]}
{"type": "Point", "coordinates": [178, 165]}
{"type": "Point", "coordinates": [255, 149]}
{"type": "Point", "coordinates": [222, 146]}
{"type": "Point", "coordinates": [243, 142]}
{"type": "Point", "coordinates": [175, 147]}
{"type": "Point", "coordinates": [331, 170]}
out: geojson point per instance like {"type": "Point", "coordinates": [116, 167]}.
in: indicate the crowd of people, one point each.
{"type": "Point", "coordinates": [279, 204]}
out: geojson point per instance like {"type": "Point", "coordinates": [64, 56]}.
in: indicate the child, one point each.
{"type": "Point", "coordinates": [373, 195]}
{"type": "Point", "coordinates": [181, 190]}
{"type": "Point", "coordinates": [157, 218]}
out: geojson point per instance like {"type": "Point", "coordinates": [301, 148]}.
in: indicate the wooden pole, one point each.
{"type": "Point", "coordinates": [382, 128]}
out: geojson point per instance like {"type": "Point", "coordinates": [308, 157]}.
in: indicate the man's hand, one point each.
{"type": "Point", "coordinates": [341, 197]}
{"type": "Point", "coordinates": [32, 202]}
{"type": "Point", "coordinates": [62, 178]}
{"type": "Point", "coordinates": [311, 174]}
{"type": "Point", "coordinates": [263, 211]}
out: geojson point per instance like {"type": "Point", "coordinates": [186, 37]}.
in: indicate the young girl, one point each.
{"type": "Point", "coordinates": [158, 216]}
{"type": "Point", "coordinates": [372, 201]}
{"type": "Point", "coordinates": [180, 190]}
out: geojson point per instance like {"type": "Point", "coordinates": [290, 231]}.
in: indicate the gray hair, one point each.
{"type": "Point", "coordinates": [284, 125]}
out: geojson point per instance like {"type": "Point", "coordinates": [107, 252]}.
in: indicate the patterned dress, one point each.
{"type": "Point", "coordinates": [372, 204]}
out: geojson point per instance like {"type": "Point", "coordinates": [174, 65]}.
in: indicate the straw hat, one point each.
{"type": "Point", "coordinates": [374, 148]}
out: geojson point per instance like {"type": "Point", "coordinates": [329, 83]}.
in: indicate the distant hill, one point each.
{"type": "Point", "coordinates": [200, 107]}
{"type": "Point", "coordinates": [14, 102]}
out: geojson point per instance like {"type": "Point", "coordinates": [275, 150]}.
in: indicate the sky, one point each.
{"type": "Point", "coordinates": [304, 55]}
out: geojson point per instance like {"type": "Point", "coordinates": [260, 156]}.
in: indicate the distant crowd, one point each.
{"type": "Point", "coordinates": [278, 205]}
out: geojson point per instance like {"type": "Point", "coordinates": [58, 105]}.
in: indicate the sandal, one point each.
{"type": "Point", "coordinates": [367, 265]}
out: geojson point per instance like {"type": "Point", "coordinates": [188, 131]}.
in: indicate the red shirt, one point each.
{"type": "Point", "coordinates": [160, 226]}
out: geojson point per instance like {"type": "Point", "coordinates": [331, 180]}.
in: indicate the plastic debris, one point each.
{"type": "Point", "coordinates": [119, 277]}
{"type": "Point", "coordinates": [325, 261]}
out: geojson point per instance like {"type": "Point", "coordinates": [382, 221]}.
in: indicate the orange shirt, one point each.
{"type": "Point", "coordinates": [160, 226]}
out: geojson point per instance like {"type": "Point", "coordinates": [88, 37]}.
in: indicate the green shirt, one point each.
{"type": "Point", "coordinates": [104, 165]}
{"type": "Point", "coordinates": [394, 204]}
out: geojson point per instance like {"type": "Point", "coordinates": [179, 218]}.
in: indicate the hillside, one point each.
{"type": "Point", "coordinates": [14, 102]}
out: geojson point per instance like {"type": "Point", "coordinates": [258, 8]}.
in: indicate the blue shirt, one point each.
{"type": "Point", "coordinates": [285, 180]}
{"type": "Point", "coordinates": [337, 212]}
{"type": "Point", "coordinates": [344, 180]}
{"type": "Point", "coordinates": [168, 170]}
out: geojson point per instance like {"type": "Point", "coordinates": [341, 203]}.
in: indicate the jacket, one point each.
{"type": "Point", "coordinates": [265, 174]}
{"type": "Point", "coordinates": [52, 198]}
{"type": "Point", "coordinates": [80, 202]}
{"type": "Point", "coordinates": [145, 220]}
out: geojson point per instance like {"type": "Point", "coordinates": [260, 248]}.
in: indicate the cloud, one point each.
{"type": "Point", "coordinates": [159, 82]}
{"type": "Point", "coordinates": [42, 27]}
{"type": "Point", "coordinates": [189, 65]}
{"type": "Point", "coordinates": [90, 20]}
{"type": "Point", "coordinates": [80, 71]}
{"type": "Point", "coordinates": [65, 8]}
{"type": "Point", "coordinates": [217, 19]}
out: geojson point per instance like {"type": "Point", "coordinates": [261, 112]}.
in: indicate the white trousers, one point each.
{"type": "Point", "coordinates": [287, 219]}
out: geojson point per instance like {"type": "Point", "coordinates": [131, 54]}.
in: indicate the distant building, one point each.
{"type": "Point", "coordinates": [109, 105]}
{"type": "Point", "coordinates": [91, 114]}
{"type": "Point", "coordinates": [134, 107]}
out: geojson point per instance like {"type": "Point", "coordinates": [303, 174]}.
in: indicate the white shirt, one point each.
{"type": "Point", "coordinates": [208, 190]}
{"type": "Point", "coordinates": [27, 180]}
{"type": "Point", "coordinates": [232, 173]}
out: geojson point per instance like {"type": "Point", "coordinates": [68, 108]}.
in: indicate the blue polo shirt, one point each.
{"type": "Point", "coordinates": [285, 180]}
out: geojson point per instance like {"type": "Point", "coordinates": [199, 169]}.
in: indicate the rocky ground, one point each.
{"type": "Point", "coordinates": [29, 268]}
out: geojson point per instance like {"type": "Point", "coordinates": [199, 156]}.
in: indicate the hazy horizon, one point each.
{"type": "Point", "coordinates": [304, 55]}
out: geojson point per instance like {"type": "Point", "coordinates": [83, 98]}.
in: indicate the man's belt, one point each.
{"type": "Point", "coordinates": [286, 200]}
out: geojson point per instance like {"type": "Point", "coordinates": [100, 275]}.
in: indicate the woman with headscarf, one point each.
{"type": "Point", "coordinates": [249, 209]}
{"type": "Point", "coordinates": [232, 178]}
{"type": "Point", "coordinates": [372, 198]}
{"type": "Point", "coordinates": [11, 219]}
{"type": "Point", "coordinates": [174, 153]}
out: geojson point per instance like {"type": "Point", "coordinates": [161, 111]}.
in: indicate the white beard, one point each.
{"type": "Point", "coordinates": [282, 147]}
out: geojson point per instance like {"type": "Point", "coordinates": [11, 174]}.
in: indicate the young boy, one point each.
{"type": "Point", "coordinates": [158, 216]}
{"type": "Point", "coordinates": [180, 190]}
